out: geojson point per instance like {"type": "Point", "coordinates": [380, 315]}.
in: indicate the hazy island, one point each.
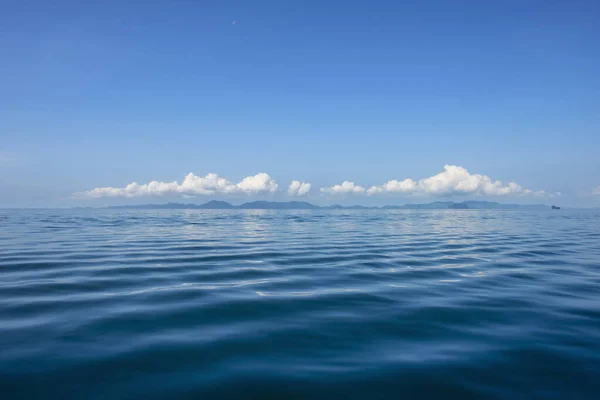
{"type": "Point", "coordinates": [302, 205]}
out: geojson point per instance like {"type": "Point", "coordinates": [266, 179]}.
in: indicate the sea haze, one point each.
{"type": "Point", "coordinates": [303, 205]}
{"type": "Point", "coordinates": [320, 304]}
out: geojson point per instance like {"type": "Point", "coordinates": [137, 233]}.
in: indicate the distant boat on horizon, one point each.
{"type": "Point", "coordinates": [555, 208]}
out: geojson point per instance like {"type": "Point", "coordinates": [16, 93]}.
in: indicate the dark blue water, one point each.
{"type": "Point", "coordinates": [108, 304]}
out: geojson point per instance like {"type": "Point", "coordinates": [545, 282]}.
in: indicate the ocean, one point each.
{"type": "Point", "coordinates": [321, 304]}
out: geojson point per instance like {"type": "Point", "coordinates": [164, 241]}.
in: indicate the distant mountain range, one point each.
{"type": "Point", "coordinates": [302, 205]}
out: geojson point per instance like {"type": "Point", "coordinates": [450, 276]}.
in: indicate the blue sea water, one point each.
{"type": "Point", "coordinates": [126, 304]}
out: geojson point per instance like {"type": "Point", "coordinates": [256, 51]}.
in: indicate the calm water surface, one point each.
{"type": "Point", "coordinates": [117, 304]}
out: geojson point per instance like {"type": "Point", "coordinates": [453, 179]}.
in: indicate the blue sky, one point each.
{"type": "Point", "coordinates": [103, 94]}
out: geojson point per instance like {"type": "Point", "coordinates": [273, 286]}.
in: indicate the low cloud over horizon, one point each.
{"type": "Point", "coordinates": [298, 188]}
{"type": "Point", "coordinates": [454, 180]}
{"type": "Point", "coordinates": [192, 185]}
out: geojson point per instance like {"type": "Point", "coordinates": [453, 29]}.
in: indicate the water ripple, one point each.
{"type": "Point", "coordinates": [299, 304]}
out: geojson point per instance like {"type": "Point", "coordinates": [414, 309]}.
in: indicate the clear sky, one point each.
{"type": "Point", "coordinates": [100, 94]}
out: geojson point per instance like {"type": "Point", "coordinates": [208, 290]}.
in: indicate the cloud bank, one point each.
{"type": "Point", "coordinates": [596, 191]}
{"type": "Point", "coordinates": [454, 180]}
{"type": "Point", "coordinates": [192, 185]}
{"type": "Point", "coordinates": [345, 188]}
{"type": "Point", "coordinates": [298, 188]}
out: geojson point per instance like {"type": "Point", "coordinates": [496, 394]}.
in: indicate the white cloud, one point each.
{"type": "Point", "coordinates": [457, 180]}
{"type": "Point", "coordinates": [192, 185]}
{"type": "Point", "coordinates": [345, 188]}
{"type": "Point", "coordinates": [454, 180]}
{"type": "Point", "coordinates": [596, 191]}
{"type": "Point", "coordinates": [258, 183]}
{"type": "Point", "coordinates": [298, 188]}
{"type": "Point", "coordinates": [394, 186]}
{"type": "Point", "coordinates": [203, 185]}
